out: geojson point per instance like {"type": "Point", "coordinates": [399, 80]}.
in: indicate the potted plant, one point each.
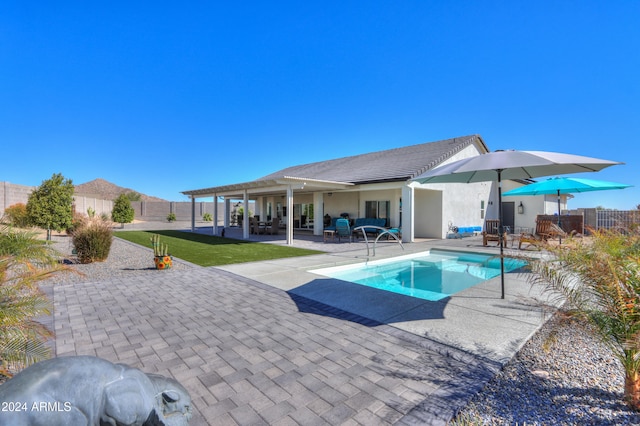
{"type": "Point", "coordinates": [161, 256]}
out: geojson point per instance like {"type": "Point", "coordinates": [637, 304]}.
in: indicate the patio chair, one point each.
{"type": "Point", "coordinates": [556, 231]}
{"type": "Point", "coordinates": [274, 227]}
{"type": "Point", "coordinates": [545, 229]}
{"type": "Point", "coordinates": [343, 229]}
{"type": "Point", "coordinates": [490, 233]}
{"type": "Point", "coordinates": [255, 226]}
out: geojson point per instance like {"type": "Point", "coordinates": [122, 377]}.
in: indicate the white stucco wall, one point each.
{"type": "Point", "coordinates": [458, 204]}
{"type": "Point", "coordinates": [533, 205]}
{"type": "Point", "coordinates": [342, 202]}
{"type": "Point", "coordinates": [427, 220]}
{"type": "Point", "coordinates": [442, 205]}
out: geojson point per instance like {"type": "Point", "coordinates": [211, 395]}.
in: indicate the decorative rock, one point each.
{"type": "Point", "coordinates": [541, 374]}
{"type": "Point", "coordinates": [584, 386]}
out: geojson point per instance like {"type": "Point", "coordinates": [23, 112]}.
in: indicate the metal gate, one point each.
{"type": "Point", "coordinates": [619, 220]}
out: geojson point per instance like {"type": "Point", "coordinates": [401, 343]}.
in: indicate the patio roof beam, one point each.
{"type": "Point", "coordinates": [267, 185]}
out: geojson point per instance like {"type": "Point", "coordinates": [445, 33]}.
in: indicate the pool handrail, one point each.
{"type": "Point", "coordinates": [380, 234]}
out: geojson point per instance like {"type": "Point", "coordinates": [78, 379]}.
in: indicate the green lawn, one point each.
{"type": "Point", "coordinates": [207, 250]}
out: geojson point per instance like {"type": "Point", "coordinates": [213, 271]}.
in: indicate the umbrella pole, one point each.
{"type": "Point", "coordinates": [559, 225]}
{"type": "Point", "coordinates": [501, 231]}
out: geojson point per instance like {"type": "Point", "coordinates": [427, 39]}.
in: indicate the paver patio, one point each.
{"type": "Point", "coordinates": [251, 353]}
{"type": "Point", "coordinates": [248, 355]}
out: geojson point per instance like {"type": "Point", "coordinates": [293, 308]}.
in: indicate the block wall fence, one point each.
{"type": "Point", "coordinates": [11, 193]}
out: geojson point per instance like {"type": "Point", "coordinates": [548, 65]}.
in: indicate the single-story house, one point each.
{"type": "Point", "coordinates": [372, 185]}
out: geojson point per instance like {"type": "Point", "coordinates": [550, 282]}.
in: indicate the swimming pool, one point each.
{"type": "Point", "coordinates": [431, 275]}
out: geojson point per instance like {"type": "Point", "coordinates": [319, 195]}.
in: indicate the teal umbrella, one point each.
{"type": "Point", "coordinates": [564, 185]}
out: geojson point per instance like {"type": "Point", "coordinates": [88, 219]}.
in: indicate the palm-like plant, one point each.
{"type": "Point", "coordinates": [24, 262]}
{"type": "Point", "coordinates": [600, 279]}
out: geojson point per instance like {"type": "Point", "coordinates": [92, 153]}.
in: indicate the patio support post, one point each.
{"type": "Point", "coordinates": [289, 215]}
{"type": "Point", "coordinates": [408, 192]}
{"type": "Point", "coordinates": [245, 216]}
{"type": "Point", "coordinates": [318, 213]}
{"type": "Point", "coordinates": [227, 212]}
{"type": "Point", "coordinates": [263, 208]}
{"type": "Point", "coordinates": [193, 213]}
{"type": "Point", "coordinates": [215, 214]}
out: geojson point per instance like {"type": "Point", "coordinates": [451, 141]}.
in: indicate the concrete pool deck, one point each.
{"type": "Point", "coordinates": [476, 320]}
{"type": "Point", "coordinates": [272, 343]}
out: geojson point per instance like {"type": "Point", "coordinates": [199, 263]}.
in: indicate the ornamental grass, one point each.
{"type": "Point", "coordinates": [92, 238]}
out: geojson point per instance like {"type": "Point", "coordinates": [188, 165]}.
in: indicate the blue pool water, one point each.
{"type": "Point", "coordinates": [431, 275]}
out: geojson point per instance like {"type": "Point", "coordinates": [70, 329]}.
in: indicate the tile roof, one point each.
{"type": "Point", "coordinates": [397, 164]}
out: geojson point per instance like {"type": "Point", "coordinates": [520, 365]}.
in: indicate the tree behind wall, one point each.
{"type": "Point", "coordinates": [134, 196]}
{"type": "Point", "coordinates": [50, 205]}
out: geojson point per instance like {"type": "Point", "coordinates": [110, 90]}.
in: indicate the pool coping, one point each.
{"type": "Point", "coordinates": [361, 273]}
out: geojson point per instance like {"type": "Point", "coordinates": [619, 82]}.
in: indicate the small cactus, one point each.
{"type": "Point", "coordinates": [161, 250]}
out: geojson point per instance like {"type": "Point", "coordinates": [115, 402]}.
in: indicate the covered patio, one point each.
{"type": "Point", "coordinates": [273, 196]}
{"type": "Point", "coordinates": [375, 185]}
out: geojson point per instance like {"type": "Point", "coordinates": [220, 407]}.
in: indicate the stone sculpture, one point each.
{"type": "Point", "coordinates": [85, 390]}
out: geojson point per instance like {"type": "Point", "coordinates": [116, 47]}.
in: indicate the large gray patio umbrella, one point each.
{"type": "Point", "coordinates": [511, 164]}
{"type": "Point", "coordinates": [564, 185]}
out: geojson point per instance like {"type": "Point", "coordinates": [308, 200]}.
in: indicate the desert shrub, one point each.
{"type": "Point", "coordinates": [122, 211]}
{"type": "Point", "coordinates": [92, 239]}
{"type": "Point", "coordinates": [16, 215]}
{"type": "Point", "coordinates": [207, 217]}
{"type": "Point", "coordinates": [171, 217]}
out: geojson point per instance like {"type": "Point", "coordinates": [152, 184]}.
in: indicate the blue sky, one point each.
{"type": "Point", "coordinates": [164, 97]}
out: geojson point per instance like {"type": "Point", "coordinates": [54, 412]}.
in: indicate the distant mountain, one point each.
{"type": "Point", "coordinates": [102, 189]}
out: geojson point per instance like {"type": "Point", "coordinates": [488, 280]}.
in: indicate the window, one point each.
{"type": "Point", "coordinates": [378, 210]}
{"type": "Point", "coordinates": [302, 215]}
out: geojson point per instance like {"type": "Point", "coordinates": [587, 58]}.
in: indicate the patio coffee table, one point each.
{"type": "Point", "coordinates": [329, 233]}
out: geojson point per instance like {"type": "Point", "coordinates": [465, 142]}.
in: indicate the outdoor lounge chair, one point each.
{"type": "Point", "coordinates": [545, 230]}
{"type": "Point", "coordinates": [491, 233]}
{"type": "Point", "coordinates": [343, 229]}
